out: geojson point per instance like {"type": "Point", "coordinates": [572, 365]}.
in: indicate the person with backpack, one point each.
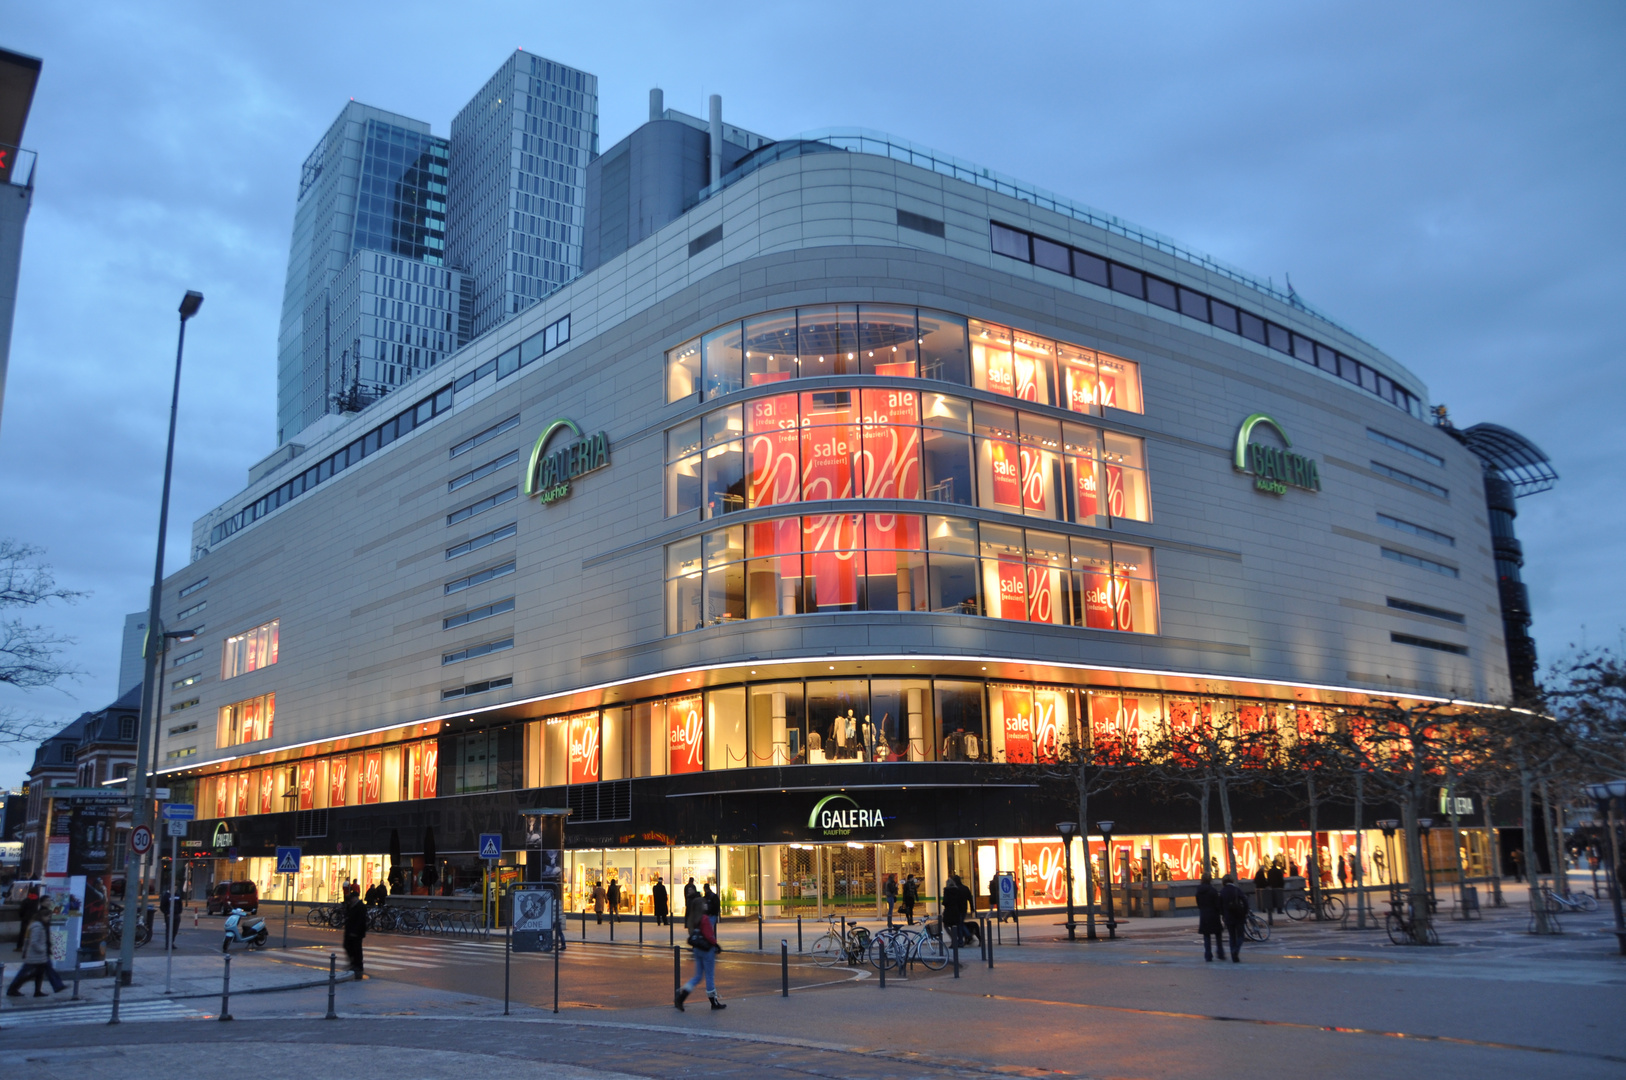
{"type": "Point", "coordinates": [1233, 904]}
{"type": "Point", "coordinates": [703, 944]}
{"type": "Point", "coordinates": [1209, 923]}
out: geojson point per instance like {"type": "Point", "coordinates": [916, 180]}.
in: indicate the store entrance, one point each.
{"type": "Point", "coordinates": [847, 879]}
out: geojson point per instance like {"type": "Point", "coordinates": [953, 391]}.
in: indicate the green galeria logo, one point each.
{"type": "Point", "coordinates": [833, 819]}
{"type": "Point", "coordinates": [1274, 469]}
{"type": "Point", "coordinates": [548, 475]}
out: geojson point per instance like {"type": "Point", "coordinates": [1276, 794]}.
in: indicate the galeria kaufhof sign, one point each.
{"type": "Point", "coordinates": [1274, 468]}
{"type": "Point", "coordinates": [549, 473]}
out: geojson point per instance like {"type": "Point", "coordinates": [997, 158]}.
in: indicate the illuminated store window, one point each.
{"type": "Point", "coordinates": [249, 651]}
{"type": "Point", "coordinates": [899, 342]}
{"type": "Point", "coordinates": [246, 721]}
{"type": "Point", "coordinates": [906, 562]}
{"type": "Point", "coordinates": [902, 443]}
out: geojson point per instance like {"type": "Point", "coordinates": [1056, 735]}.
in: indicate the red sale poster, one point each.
{"type": "Point", "coordinates": [1041, 597]}
{"type": "Point", "coordinates": [1098, 601]}
{"type": "Point", "coordinates": [773, 439]}
{"type": "Point", "coordinates": [1107, 392]}
{"type": "Point", "coordinates": [1047, 726]}
{"type": "Point", "coordinates": [244, 793]}
{"type": "Point", "coordinates": [1087, 488]}
{"type": "Point", "coordinates": [1007, 476]}
{"type": "Point", "coordinates": [223, 807]}
{"type": "Point", "coordinates": [891, 454]}
{"type": "Point", "coordinates": [1013, 588]}
{"type": "Point", "coordinates": [1078, 383]}
{"type": "Point", "coordinates": [372, 777]}
{"type": "Point", "coordinates": [903, 370]}
{"type": "Point", "coordinates": [1115, 718]}
{"type": "Point", "coordinates": [583, 737]}
{"type": "Point", "coordinates": [307, 785]}
{"type": "Point", "coordinates": [338, 771]}
{"type": "Point", "coordinates": [430, 781]}
{"type": "Point", "coordinates": [1027, 378]}
{"type": "Point", "coordinates": [1115, 490]}
{"type": "Point", "coordinates": [888, 533]}
{"type": "Point", "coordinates": [685, 726]}
{"type": "Point", "coordinates": [1123, 607]}
{"type": "Point", "coordinates": [1033, 479]}
{"type": "Point", "coordinates": [829, 444]}
{"type": "Point", "coordinates": [268, 789]}
{"type": "Point", "coordinates": [1018, 709]}
{"type": "Point", "coordinates": [831, 544]}
{"type": "Point", "coordinates": [1044, 873]}
{"type": "Point", "coordinates": [1001, 375]}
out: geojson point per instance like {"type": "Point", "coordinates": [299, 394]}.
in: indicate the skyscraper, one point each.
{"type": "Point", "coordinates": [519, 155]}
{"type": "Point", "coordinates": [369, 301]}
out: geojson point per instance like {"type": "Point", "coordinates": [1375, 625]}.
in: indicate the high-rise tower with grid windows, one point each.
{"type": "Point", "coordinates": [519, 155]}
{"type": "Point", "coordinates": [369, 301]}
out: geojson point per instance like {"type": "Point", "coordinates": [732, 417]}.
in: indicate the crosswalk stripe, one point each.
{"type": "Point", "coordinates": [101, 1014]}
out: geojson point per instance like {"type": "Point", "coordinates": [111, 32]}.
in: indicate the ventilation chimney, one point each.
{"type": "Point", "coordinates": [716, 137]}
{"type": "Point", "coordinates": [657, 104]}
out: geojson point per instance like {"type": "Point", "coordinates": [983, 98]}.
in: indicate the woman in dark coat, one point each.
{"type": "Point", "coordinates": [613, 897]}
{"type": "Point", "coordinates": [1209, 923]}
{"type": "Point", "coordinates": [1233, 905]}
{"type": "Point", "coordinates": [657, 896]}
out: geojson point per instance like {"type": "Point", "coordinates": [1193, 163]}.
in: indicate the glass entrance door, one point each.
{"type": "Point", "coordinates": [849, 884]}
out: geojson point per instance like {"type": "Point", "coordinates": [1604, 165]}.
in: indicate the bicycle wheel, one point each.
{"type": "Point", "coordinates": [932, 952]}
{"type": "Point", "coordinates": [1585, 900]}
{"type": "Point", "coordinates": [1554, 904]}
{"type": "Point", "coordinates": [143, 935]}
{"type": "Point", "coordinates": [1256, 929]}
{"type": "Point", "coordinates": [1333, 907]}
{"type": "Point", "coordinates": [827, 951]}
{"type": "Point", "coordinates": [1298, 908]}
{"type": "Point", "coordinates": [335, 917]}
{"type": "Point", "coordinates": [316, 916]}
{"type": "Point", "coordinates": [1396, 929]}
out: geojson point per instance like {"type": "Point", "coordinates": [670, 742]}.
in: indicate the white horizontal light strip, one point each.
{"type": "Point", "coordinates": [864, 658]}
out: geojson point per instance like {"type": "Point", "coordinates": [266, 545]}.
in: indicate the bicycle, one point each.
{"type": "Point", "coordinates": [1299, 907]}
{"type": "Point", "coordinates": [115, 928]}
{"type": "Point", "coordinates": [832, 947]}
{"type": "Point", "coordinates": [898, 945]}
{"type": "Point", "coordinates": [1402, 927]}
{"type": "Point", "coordinates": [1571, 902]}
{"type": "Point", "coordinates": [1255, 929]}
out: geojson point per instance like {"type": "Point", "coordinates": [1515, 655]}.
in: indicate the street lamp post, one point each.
{"type": "Point", "coordinates": [1106, 834]}
{"type": "Point", "coordinates": [1423, 826]}
{"type": "Point", "coordinates": [1389, 826]}
{"type": "Point", "coordinates": [1067, 829]}
{"type": "Point", "coordinates": [1608, 795]}
{"type": "Point", "coordinates": [140, 805]}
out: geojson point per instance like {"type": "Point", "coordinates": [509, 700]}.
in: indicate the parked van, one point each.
{"type": "Point", "coordinates": [233, 894]}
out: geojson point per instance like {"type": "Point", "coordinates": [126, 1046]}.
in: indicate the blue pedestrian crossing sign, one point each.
{"type": "Point", "coordinates": [490, 845]}
{"type": "Point", "coordinates": [288, 860]}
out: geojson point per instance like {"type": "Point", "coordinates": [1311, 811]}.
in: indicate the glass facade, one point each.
{"type": "Point", "coordinates": [249, 651]}
{"type": "Point", "coordinates": [401, 196]}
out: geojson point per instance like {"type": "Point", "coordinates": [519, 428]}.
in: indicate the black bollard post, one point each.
{"type": "Point", "coordinates": [798, 933]}
{"type": "Point", "coordinates": [990, 949]}
{"type": "Point", "coordinates": [956, 951]}
{"type": "Point", "coordinates": [584, 925]}
{"type": "Point", "coordinates": [784, 968]}
{"type": "Point", "coordinates": [1017, 922]}
{"type": "Point", "coordinates": [225, 992]}
{"type": "Point", "coordinates": [880, 954]}
{"type": "Point", "coordinates": [759, 931]}
{"type": "Point", "coordinates": [332, 981]}
{"type": "Point", "coordinates": [982, 941]}
{"type": "Point", "coordinates": [677, 970]}
{"type": "Point", "coordinates": [640, 928]}
{"type": "Point", "coordinates": [612, 926]}
{"type": "Point", "coordinates": [75, 980]}
{"type": "Point", "coordinates": [117, 983]}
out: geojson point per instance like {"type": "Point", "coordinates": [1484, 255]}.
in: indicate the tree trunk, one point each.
{"type": "Point", "coordinates": [1416, 872]}
{"type": "Point", "coordinates": [1230, 838]}
{"type": "Point", "coordinates": [1084, 831]}
{"type": "Point", "coordinates": [1538, 907]}
{"type": "Point", "coordinates": [1312, 871]}
{"type": "Point", "coordinates": [1552, 819]}
{"type": "Point", "coordinates": [1207, 860]}
{"type": "Point", "coordinates": [1456, 842]}
{"type": "Point", "coordinates": [1360, 855]}
{"type": "Point", "coordinates": [1495, 849]}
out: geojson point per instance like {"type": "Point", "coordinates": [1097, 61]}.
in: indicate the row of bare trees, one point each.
{"type": "Point", "coordinates": [1387, 752]}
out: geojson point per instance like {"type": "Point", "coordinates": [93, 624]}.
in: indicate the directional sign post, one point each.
{"type": "Point", "coordinates": [287, 863]}
{"type": "Point", "coordinates": [180, 811]}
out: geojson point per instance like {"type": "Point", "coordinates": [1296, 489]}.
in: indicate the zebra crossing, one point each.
{"type": "Point", "coordinates": [418, 954]}
{"type": "Point", "coordinates": [133, 1012]}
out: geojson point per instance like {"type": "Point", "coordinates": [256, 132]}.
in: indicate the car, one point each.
{"type": "Point", "coordinates": [227, 895]}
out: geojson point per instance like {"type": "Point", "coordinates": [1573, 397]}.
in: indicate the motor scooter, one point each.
{"type": "Point", "coordinates": [245, 929]}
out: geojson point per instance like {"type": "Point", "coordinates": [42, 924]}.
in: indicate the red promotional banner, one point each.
{"type": "Point", "coordinates": [831, 543]}
{"type": "Point", "coordinates": [1044, 873]}
{"type": "Point", "coordinates": [1087, 488]}
{"type": "Point", "coordinates": [1114, 720]}
{"type": "Point", "coordinates": [1186, 716]}
{"type": "Point", "coordinates": [1107, 392]}
{"type": "Point", "coordinates": [1251, 718]}
{"type": "Point", "coordinates": [829, 444]}
{"type": "Point", "coordinates": [1013, 588]}
{"type": "Point", "coordinates": [1018, 708]}
{"type": "Point", "coordinates": [1001, 375]}
{"type": "Point", "coordinates": [1049, 723]}
{"type": "Point", "coordinates": [1033, 479]}
{"type": "Point", "coordinates": [685, 726]}
{"type": "Point", "coordinates": [338, 770]}
{"type": "Point", "coordinates": [885, 534]}
{"type": "Point", "coordinates": [268, 790]}
{"type": "Point", "coordinates": [1098, 601]}
{"type": "Point", "coordinates": [223, 806]}
{"type": "Point", "coordinates": [372, 777]}
{"type": "Point", "coordinates": [904, 370]}
{"type": "Point", "coordinates": [244, 793]}
{"type": "Point", "coordinates": [891, 444]}
{"type": "Point", "coordinates": [583, 735]}
{"type": "Point", "coordinates": [1041, 597]}
{"type": "Point", "coordinates": [1115, 490]}
{"type": "Point", "coordinates": [431, 769]}
{"type": "Point", "coordinates": [1078, 383]}
{"type": "Point", "coordinates": [1027, 378]}
{"type": "Point", "coordinates": [307, 785]}
{"type": "Point", "coordinates": [1122, 607]}
{"type": "Point", "coordinates": [1007, 474]}
{"type": "Point", "coordinates": [773, 439]}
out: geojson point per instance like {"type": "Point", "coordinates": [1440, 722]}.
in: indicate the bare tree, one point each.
{"type": "Point", "coordinates": [30, 653]}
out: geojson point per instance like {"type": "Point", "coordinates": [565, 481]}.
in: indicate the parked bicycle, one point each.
{"type": "Point", "coordinates": [835, 947]}
{"type": "Point", "coordinates": [1401, 924]}
{"type": "Point", "coordinates": [1300, 907]}
{"type": "Point", "coordinates": [1255, 929]}
{"type": "Point", "coordinates": [1570, 902]}
{"type": "Point", "coordinates": [896, 946]}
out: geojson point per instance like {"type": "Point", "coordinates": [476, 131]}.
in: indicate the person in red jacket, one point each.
{"type": "Point", "coordinates": [703, 941]}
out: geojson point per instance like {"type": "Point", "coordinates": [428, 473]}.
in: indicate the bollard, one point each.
{"type": "Point", "coordinates": [640, 928]}
{"type": "Point", "coordinates": [332, 980]}
{"type": "Point", "coordinates": [990, 949]}
{"type": "Point", "coordinates": [677, 969]}
{"type": "Point", "coordinates": [225, 992]}
{"type": "Point", "coordinates": [1017, 922]}
{"type": "Point", "coordinates": [982, 942]}
{"type": "Point", "coordinates": [612, 926]}
{"type": "Point", "coordinates": [956, 951]}
{"type": "Point", "coordinates": [880, 954]}
{"type": "Point", "coordinates": [798, 933]}
{"type": "Point", "coordinates": [584, 925]}
{"type": "Point", "coordinates": [117, 985]}
{"type": "Point", "coordinates": [75, 979]}
{"type": "Point", "coordinates": [759, 931]}
{"type": "Point", "coordinates": [784, 968]}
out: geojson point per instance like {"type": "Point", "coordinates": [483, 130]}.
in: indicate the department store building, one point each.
{"type": "Point", "coordinates": [769, 544]}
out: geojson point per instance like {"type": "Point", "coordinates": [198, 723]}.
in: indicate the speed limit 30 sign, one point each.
{"type": "Point", "coordinates": [141, 840]}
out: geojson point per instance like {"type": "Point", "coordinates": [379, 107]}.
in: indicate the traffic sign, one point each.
{"type": "Point", "coordinates": [490, 845]}
{"type": "Point", "coordinates": [140, 839]}
{"type": "Point", "coordinates": [1007, 892]}
{"type": "Point", "coordinates": [180, 811]}
{"type": "Point", "coordinates": [288, 860]}
{"type": "Point", "coordinates": [178, 828]}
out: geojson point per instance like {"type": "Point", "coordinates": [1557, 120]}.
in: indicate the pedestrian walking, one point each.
{"type": "Point", "coordinates": [1278, 885]}
{"type": "Point", "coordinates": [955, 903]}
{"type": "Point", "coordinates": [703, 944]}
{"type": "Point", "coordinates": [37, 956]}
{"type": "Point", "coordinates": [1234, 910]}
{"type": "Point", "coordinates": [1343, 872]}
{"type": "Point", "coordinates": [1209, 923]}
{"type": "Point", "coordinates": [613, 896]}
{"type": "Point", "coordinates": [889, 893]}
{"type": "Point", "coordinates": [1518, 864]}
{"type": "Point", "coordinates": [171, 905]}
{"type": "Point", "coordinates": [598, 901]}
{"type": "Point", "coordinates": [657, 897]}
{"type": "Point", "coordinates": [714, 906]}
{"type": "Point", "coordinates": [26, 912]}
{"type": "Point", "coordinates": [355, 928]}
{"type": "Point", "coordinates": [911, 896]}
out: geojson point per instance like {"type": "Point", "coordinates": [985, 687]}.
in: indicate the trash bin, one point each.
{"type": "Point", "coordinates": [1470, 898]}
